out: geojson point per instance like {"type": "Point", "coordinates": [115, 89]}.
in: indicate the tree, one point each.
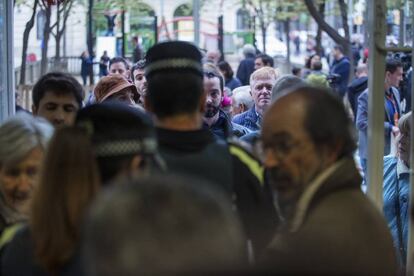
{"type": "Point", "coordinates": [344, 41]}
{"type": "Point", "coordinates": [63, 11]}
{"type": "Point", "coordinates": [264, 11]}
{"type": "Point", "coordinates": [28, 28]}
{"type": "Point", "coordinates": [46, 35]}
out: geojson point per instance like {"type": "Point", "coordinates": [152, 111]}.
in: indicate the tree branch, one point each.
{"type": "Point", "coordinates": [323, 25]}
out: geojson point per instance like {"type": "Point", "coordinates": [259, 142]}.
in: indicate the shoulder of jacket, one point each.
{"type": "Point", "coordinates": [242, 152]}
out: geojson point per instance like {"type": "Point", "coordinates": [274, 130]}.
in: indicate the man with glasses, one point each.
{"type": "Point", "coordinates": [330, 226]}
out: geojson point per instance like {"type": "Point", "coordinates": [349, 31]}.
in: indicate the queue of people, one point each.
{"type": "Point", "coordinates": [154, 176]}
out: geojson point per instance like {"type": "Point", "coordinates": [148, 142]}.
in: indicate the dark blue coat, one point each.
{"type": "Point", "coordinates": [248, 119]}
{"type": "Point", "coordinates": [341, 67]}
{"type": "Point", "coordinates": [245, 69]}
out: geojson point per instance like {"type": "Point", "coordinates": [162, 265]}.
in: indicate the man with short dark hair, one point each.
{"type": "Point", "coordinates": [139, 79]}
{"type": "Point", "coordinates": [308, 147]}
{"type": "Point", "coordinates": [393, 76]}
{"type": "Point", "coordinates": [177, 100]}
{"type": "Point", "coordinates": [358, 85]}
{"type": "Point", "coordinates": [57, 97]}
{"type": "Point", "coordinates": [263, 60]}
{"type": "Point", "coordinates": [215, 119]}
{"type": "Point", "coordinates": [120, 66]}
{"type": "Point", "coordinates": [341, 67]}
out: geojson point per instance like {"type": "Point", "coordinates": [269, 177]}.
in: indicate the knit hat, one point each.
{"type": "Point", "coordinates": [112, 84]}
{"type": "Point", "coordinates": [173, 55]}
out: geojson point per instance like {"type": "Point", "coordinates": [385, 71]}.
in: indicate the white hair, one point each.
{"type": "Point", "coordinates": [20, 134]}
{"type": "Point", "coordinates": [241, 95]}
{"type": "Point", "coordinates": [249, 49]}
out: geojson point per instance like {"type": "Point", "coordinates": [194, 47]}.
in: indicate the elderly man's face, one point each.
{"type": "Point", "coordinates": [291, 159]}
{"type": "Point", "coordinates": [261, 90]}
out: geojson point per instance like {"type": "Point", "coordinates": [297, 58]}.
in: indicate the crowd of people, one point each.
{"type": "Point", "coordinates": [176, 165]}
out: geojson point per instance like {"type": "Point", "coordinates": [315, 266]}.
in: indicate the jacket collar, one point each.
{"type": "Point", "coordinates": [340, 175]}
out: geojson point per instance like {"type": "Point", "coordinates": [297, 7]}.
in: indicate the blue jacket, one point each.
{"type": "Point", "coordinates": [233, 83]}
{"type": "Point", "coordinates": [248, 119]}
{"type": "Point", "coordinates": [245, 69]}
{"type": "Point", "coordinates": [341, 67]}
{"type": "Point", "coordinates": [391, 201]}
{"type": "Point", "coordinates": [362, 123]}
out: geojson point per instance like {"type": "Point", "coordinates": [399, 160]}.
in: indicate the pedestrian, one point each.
{"type": "Point", "coordinates": [57, 97]}
{"type": "Point", "coordinates": [140, 81]}
{"type": "Point", "coordinates": [116, 88]}
{"type": "Point", "coordinates": [166, 225]}
{"type": "Point", "coordinates": [241, 100]}
{"type": "Point", "coordinates": [393, 76]}
{"type": "Point", "coordinates": [229, 80]}
{"type": "Point", "coordinates": [261, 84]}
{"type": "Point", "coordinates": [308, 147]}
{"type": "Point", "coordinates": [246, 66]}
{"type": "Point", "coordinates": [340, 67]}
{"type": "Point", "coordinates": [120, 66]}
{"type": "Point", "coordinates": [103, 64]}
{"type": "Point", "coordinates": [109, 141]}
{"type": "Point", "coordinates": [86, 66]}
{"type": "Point", "coordinates": [23, 140]}
{"type": "Point", "coordinates": [358, 85]}
{"type": "Point", "coordinates": [397, 189]}
{"type": "Point", "coordinates": [263, 60]}
{"type": "Point", "coordinates": [175, 97]}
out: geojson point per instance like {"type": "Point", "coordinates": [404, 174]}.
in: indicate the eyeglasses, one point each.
{"type": "Point", "coordinates": [280, 149]}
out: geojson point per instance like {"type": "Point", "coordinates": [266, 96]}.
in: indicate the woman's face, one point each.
{"type": "Point", "coordinates": [17, 181]}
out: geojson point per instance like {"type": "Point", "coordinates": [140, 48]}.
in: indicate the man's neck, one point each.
{"type": "Point", "coordinates": [212, 120]}
{"type": "Point", "coordinates": [259, 110]}
{"type": "Point", "coordinates": [185, 122]}
{"type": "Point", "coordinates": [387, 87]}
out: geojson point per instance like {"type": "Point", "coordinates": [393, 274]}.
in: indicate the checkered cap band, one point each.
{"type": "Point", "coordinates": [173, 63]}
{"type": "Point", "coordinates": [125, 147]}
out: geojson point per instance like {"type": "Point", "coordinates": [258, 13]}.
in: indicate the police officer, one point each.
{"type": "Point", "coordinates": [176, 98]}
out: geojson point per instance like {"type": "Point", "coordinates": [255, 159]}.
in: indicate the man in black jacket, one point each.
{"type": "Point", "coordinates": [357, 86]}
{"type": "Point", "coordinates": [176, 98]}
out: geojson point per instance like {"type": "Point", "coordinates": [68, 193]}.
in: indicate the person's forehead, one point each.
{"type": "Point", "coordinates": [214, 81]}
{"type": "Point", "coordinates": [263, 80]}
{"type": "Point", "coordinates": [59, 97]}
{"type": "Point", "coordinates": [118, 65]}
{"type": "Point", "coordinates": [139, 72]}
{"type": "Point", "coordinates": [259, 60]}
{"type": "Point", "coordinates": [285, 116]}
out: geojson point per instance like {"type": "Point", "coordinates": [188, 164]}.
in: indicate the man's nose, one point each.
{"type": "Point", "coordinates": [270, 159]}
{"type": "Point", "coordinates": [25, 183]}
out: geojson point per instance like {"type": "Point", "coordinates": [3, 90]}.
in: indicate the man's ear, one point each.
{"type": "Point", "coordinates": [242, 107]}
{"type": "Point", "coordinates": [128, 72]}
{"type": "Point", "coordinates": [34, 110]}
